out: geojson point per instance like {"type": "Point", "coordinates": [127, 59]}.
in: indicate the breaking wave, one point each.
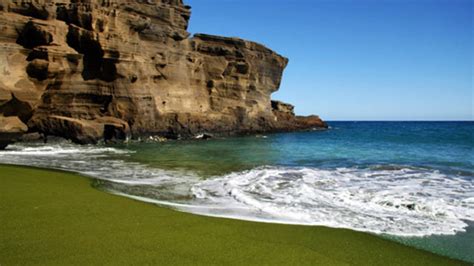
{"type": "Point", "coordinates": [394, 200]}
{"type": "Point", "coordinates": [405, 202]}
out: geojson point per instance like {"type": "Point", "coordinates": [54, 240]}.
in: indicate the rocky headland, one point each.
{"type": "Point", "coordinates": [92, 70]}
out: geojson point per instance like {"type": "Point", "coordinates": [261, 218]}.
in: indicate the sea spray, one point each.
{"type": "Point", "coordinates": [388, 199]}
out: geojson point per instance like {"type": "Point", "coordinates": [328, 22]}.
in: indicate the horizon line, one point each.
{"type": "Point", "coordinates": [397, 120]}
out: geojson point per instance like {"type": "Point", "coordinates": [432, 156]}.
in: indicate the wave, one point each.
{"type": "Point", "coordinates": [393, 200]}
{"type": "Point", "coordinates": [57, 149]}
{"type": "Point", "coordinates": [403, 202]}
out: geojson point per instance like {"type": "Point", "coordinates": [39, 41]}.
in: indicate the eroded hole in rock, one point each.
{"type": "Point", "coordinates": [35, 10]}
{"type": "Point", "coordinates": [210, 84]}
{"type": "Point", "coordinates": [108, 70]}
{"type": "Point", "coordinates": [38, 69]}
{"type": "Point", "coordinates": [95, 65]}
{"type": "Point", "coordinates": [16, 107]}
{"type": "Point", "coordinates": [37, 54]}
{"type": "Point", "coordinates": [242, 68]}
{"type": "Point", "coordinates": [72, 15]}
{"type": "Point", "coordinates": [178, 37]}
{"type": "Point", "coordinates": [33, 35]}
{"type": "Point", "coordinates": [114, 132]}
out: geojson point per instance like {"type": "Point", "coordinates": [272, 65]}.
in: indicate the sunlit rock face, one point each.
{"type": "Point", "coordinates": [73, 68]}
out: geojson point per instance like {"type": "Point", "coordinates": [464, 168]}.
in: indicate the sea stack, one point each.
{"type": "Point", "coordinates": [93, 69]}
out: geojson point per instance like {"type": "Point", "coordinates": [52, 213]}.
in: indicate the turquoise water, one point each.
{"type": "Point", "coordinates": [409, 181]}
{"type": "Point", "coordinates": [445, 146]}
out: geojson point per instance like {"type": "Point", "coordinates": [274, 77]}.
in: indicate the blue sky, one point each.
{"type": "Point", "coordinates": [359, 59]}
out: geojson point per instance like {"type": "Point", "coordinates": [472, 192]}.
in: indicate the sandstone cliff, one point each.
{"type": "Point", "coordinates": [94, 69]}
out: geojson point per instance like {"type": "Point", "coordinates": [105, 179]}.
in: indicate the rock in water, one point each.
{"type": "Point", "coordinates": [71, 67]}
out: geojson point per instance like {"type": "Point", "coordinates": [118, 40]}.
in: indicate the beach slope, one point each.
{"type": "Point", "coordinates": [52, 217]}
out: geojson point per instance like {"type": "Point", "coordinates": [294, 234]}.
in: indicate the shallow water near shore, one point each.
{"type": "Point", "coordinates": [409, 181]}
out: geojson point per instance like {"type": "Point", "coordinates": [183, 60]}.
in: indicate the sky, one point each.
{"type": "Point", "coordinates": [359, 59]}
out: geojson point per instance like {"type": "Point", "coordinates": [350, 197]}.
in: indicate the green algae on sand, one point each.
{"type": "Point", "coordinates": [52, 217]}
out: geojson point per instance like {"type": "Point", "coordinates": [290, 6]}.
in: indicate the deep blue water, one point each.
{"type": "Point", "coordinates": [408, 181]}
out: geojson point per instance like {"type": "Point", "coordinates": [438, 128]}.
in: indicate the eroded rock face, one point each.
{"type": "Point", "coordinates": [11, 129]}
{"type": "Point", "coordinates": [69, 68]}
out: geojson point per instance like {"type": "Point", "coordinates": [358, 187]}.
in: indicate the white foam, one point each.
{"type": "Point", "coordinates": [403, 202]}
{"type": "Point", "coordinates": [58, 150]}
{"type": "Point", "coordinates": [392, 200]}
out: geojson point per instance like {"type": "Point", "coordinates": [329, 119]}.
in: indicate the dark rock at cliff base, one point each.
{"type": "Point", "coordinates": [79, 131]}
{"type": "Point", "coordinates": [11, 129]}
{"type": "Point", "coordinates": [32, 137]}
{"type": "Point", "coordinates": [110, 70]}
{"type": "Point", "coordinates": [83, 131]}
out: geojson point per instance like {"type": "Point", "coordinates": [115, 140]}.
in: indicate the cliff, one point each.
{"type": "Point", "coordinates": [93, 69]}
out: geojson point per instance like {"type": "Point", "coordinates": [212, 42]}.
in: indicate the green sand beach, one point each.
{"type": "Point", "coordinates": [53, 217]}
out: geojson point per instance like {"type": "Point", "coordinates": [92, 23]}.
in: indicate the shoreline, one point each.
{"type": "Point", "coordinates": [144, 229]}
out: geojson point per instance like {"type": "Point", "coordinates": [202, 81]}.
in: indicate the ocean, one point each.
{"type": "Point", "coordinates": [412, 182]}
